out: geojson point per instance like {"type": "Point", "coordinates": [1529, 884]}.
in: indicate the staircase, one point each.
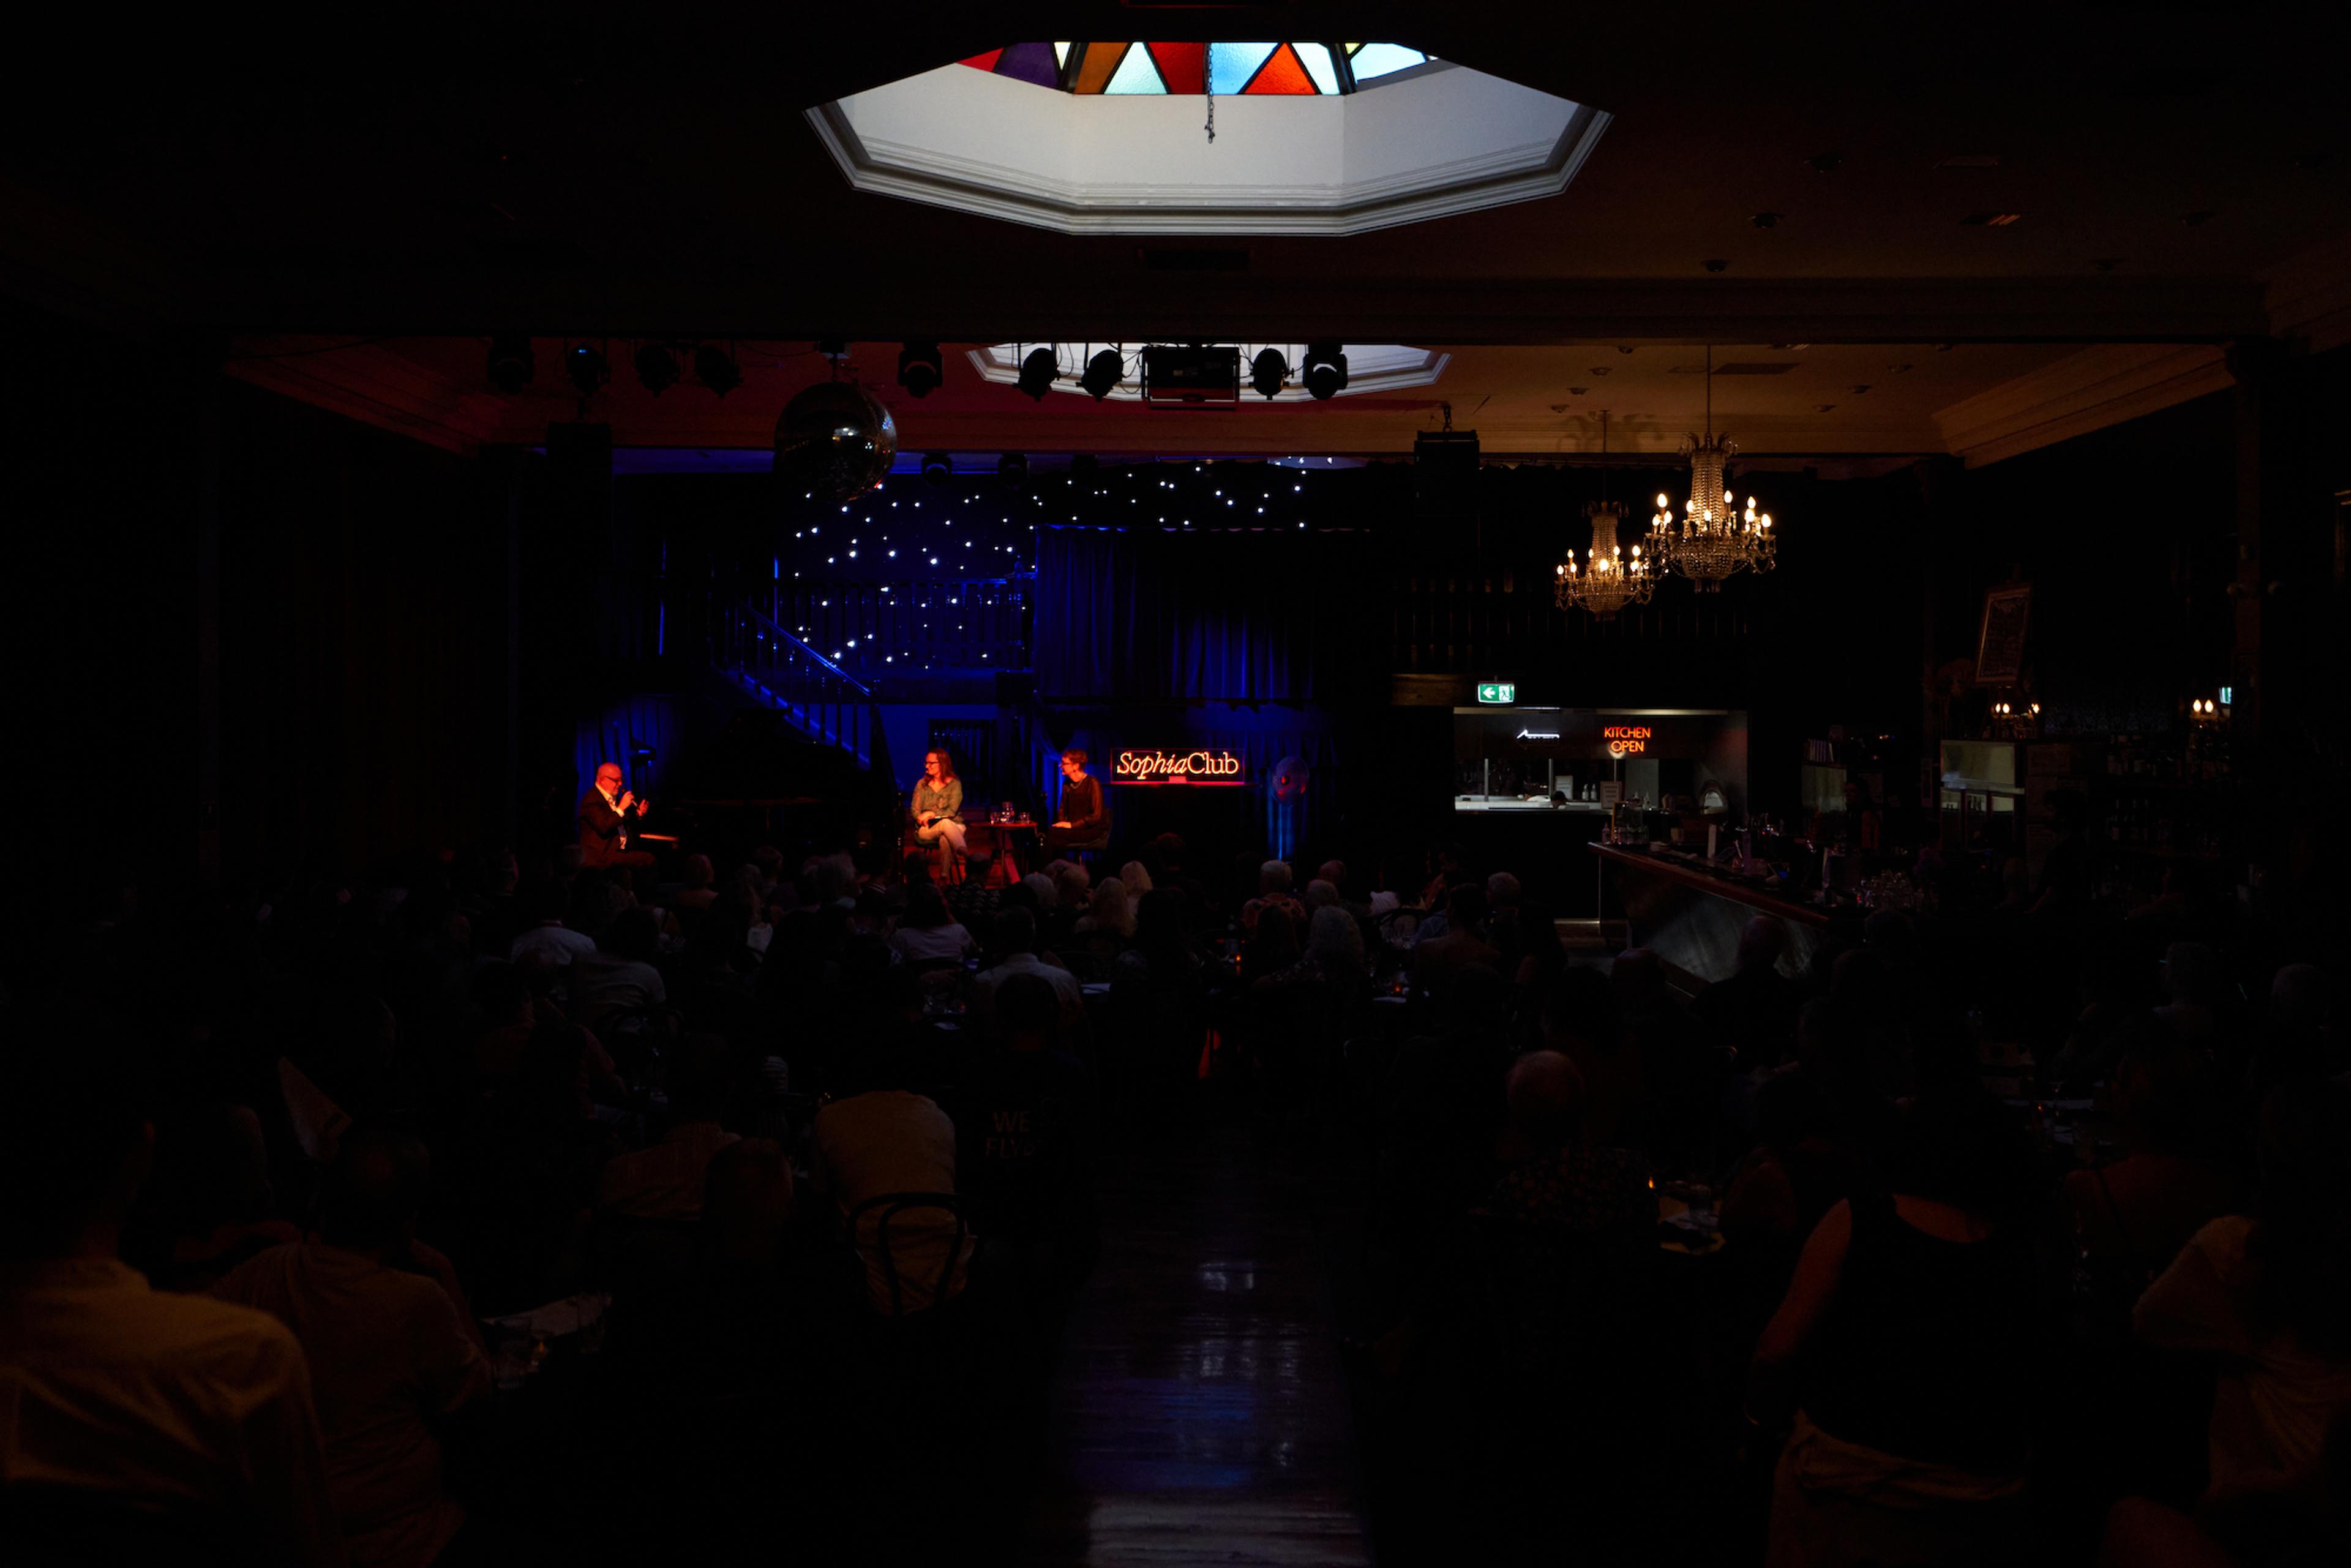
{"type": "Point", "coordinates": [816, 696]}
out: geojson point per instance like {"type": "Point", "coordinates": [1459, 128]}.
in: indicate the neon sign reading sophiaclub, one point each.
{"type": "Point", "coordinates": [1626, 740]}
{"type": "Point", "coordinates": [1159, 767]}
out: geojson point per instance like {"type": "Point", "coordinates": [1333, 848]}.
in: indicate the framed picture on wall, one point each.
{"type": "Point", "coordinates": [2000, 645]}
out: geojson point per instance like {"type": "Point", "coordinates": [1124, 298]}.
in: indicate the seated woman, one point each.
{"type": "Point", "coordinates": [938, 807]}
{"type": "Point", "coordinates": [1913, 1308]}
{"type": "Point", "coordinates": [1085, 819]}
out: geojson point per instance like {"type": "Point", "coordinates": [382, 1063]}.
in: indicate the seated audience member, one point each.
{"type": "Point", "coordinates": [1556, 1175]}
{"type": "Point", "coordinates": [2294, 1042]}
{"type": "Point", "coordinates": [1683, 1072]}
{"type": "Point", "coordinates": [620, 978]}
{"type": "Point", "coordinates": [2270, 1295]}
{"type": "Point", "coordinates": [1333, 961]}
{"type": "Point", "coordinates": [663, 1180]}
{"type": "Point", "coordinates": [1908, 1337]}
{"type": "Point", "coordinates": [1026, 1136]}
{"type": "Point", "coordinates": [206, 1207]}
{"type": "Point", "coordinates": [1273, 883]}
{"type": "Point", "coordinates": [1541, 954]}
{"type": "Point", "coordinates": [1753, 1013]}
{"type": "Point", "coordinates": [1580, 1020]}
{"type": "Point", "coordinates": [117, 1393]}
{"type": "Point", "coordinates": [2195, 985]}
{"type": "Point", "coordinates": [2131, 1219]}
{"type": "Point", "coordinates": [1270, 946]}
{"type": "Point", "coordinates": [1445, 873]}
{"type": "Point", "coordinates": [548, 936]}
{"type": "Point", "coordinates": [1015, 937]}
{"type": "Point", "coordinates": [1072, 886]}
{"type": "Point", "coordinates": [393, 1356]}
{"type": "Point", "coordinates": [973, 902]}
{"type": "Point", "coordinates": [700, 890]}
{"type": "Point", "coordinates": [1137, 877]}
{"type": "Point", "coordinates": [880, 1137]}
{"type": "Point", "coordinates": [1460, 943]}
{"type": "Point", "coordinates": [928, 932]}
{"type": "Point", "coordinates": [1108, 916]}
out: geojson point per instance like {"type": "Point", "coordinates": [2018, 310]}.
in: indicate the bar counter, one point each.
{"type": "Point", "coordinates": [1691, 915]}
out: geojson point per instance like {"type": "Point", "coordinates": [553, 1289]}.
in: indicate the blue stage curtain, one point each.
{"type": "Point", "coordinates": [1145, 615]}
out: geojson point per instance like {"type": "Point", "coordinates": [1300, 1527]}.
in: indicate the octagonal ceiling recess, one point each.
{"type": "Point", "coordinates": [1427, 142]}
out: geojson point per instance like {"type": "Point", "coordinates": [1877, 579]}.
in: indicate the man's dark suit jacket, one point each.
{"type": "Point", "coordinates": [600, 830]}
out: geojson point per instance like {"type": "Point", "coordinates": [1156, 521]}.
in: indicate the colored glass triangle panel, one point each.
{"type": "Point", "coordinates": [1030, 63]}
{"type": "Point", "coordinates": [1101, 61]}
{"type": "Point", "coordinates": [1379, 59]}
{"type": "Point", "coordinates": [1136, 74]}
{"type": "Point", "coordinates": [985, 62]}
{"type": "Point", "coordinates": [1230, 65]}
{"type": "Point", "coordinates": [1316, 58]}
{"type": "Point", "coordinates": [1183, 67]}
{"type": "Point", "coordinates": [1061, 54]}
{"type": "Point", "coordinates": [1282, 74]}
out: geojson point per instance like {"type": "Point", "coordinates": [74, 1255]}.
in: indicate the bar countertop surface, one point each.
{"type": "Point", "coordinates": [1695, 874]}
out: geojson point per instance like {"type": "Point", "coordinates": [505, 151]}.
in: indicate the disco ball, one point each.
{"type": "Point", "coordinates": [834, 441]}
{"type": "Point", "coordinates": [1289, 776]}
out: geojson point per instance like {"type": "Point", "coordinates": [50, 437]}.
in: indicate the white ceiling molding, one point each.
{"type": "Point", "coordinates": [2081, 392]}
{"type": "Point", "coordinates": [1371, 368]}
{"type": "Point", "coordinates": [1428, 146]}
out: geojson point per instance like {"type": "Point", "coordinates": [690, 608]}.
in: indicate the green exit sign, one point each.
{"type": "Point", "coordinates": [1498, 692]}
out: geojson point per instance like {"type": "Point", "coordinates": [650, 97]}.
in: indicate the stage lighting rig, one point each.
{"type": "Point", "coordinates": [921, 369]}
{"type": "Point", "coordinates": [1325, 372]}
{"type": "Point", "coordinates": [715, 367]}
{"type": "Point", "coordinates": [1103, 373]}
{"type": "Point", "coordinates": [1037, 372]}
{"type": "Point", "coordinates": [511, 363]}
{"type": "Point", "coordinates": [1268, 371]}
{"type": "Point", "coordinates": [585, 366]}
{"type": "Point", "coordinates": [656, 367]}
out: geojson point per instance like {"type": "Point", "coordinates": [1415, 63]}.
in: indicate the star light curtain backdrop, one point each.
{"type": "Point", "coordinates": [1230, 70]}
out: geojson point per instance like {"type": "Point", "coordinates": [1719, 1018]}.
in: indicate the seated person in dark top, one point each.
{"type": "Point", "coordinates": [1910, 1337]}
{"type": "Point", "coordinates": [1085, 819]}
{"type": "Point", "coordinates": [1461, 945]}
{"type": "Point", "coordinates": [1555, 1178]}
{"type": "Point", "coordinates": [1026, 1128]}
{"type": "Point", "coordinates": [1754, 1012]}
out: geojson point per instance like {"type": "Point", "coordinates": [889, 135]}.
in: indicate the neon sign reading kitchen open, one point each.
{"type": "Point", "coordinates": [1156, 767]}
{"type": "Point", "coordinates": [1626, 740]}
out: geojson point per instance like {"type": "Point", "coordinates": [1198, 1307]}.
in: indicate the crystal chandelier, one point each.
{"type": "Point", "coordinates": [1608, 581]}
{"type": "Point", "coordinates": [1713, 538]}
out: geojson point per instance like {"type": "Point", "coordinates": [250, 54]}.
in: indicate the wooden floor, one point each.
{"type": "Point", "coordinates": [1199, 1416]}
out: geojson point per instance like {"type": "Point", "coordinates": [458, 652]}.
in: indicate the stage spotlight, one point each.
{"type": "Point", "coordinates": [1037, 372]}
{"type": "Point", "coordinates": [1268, 371]}
{"type": "Point", "coordinates": [585, 366]}
{"type": "Point", "coordinates": [512, 364]}
{"type": "Point", "coordinates": [656, 367]}
{"type": "Point", "coordinates": [1085, 464]}
{"type": "Point", "coordinates": [715, 367]}
{"type": "Point", "coordinates": [938, 467]}
{"type": "Point", "coordinates": [919, 369]}
{"type": "Point", "coordinates": [1013, 466]}
{"type": "Point", "coordinates": [1325, 373]}
{"type": "Point", "coordinates": [1103, 373]}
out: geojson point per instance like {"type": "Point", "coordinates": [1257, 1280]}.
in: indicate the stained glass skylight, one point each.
{"type": "Point", "coordinates": [1230, 70]}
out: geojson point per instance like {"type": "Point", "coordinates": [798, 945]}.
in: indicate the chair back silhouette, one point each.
{"type": "Point", "coordinates": [888, 1210]}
